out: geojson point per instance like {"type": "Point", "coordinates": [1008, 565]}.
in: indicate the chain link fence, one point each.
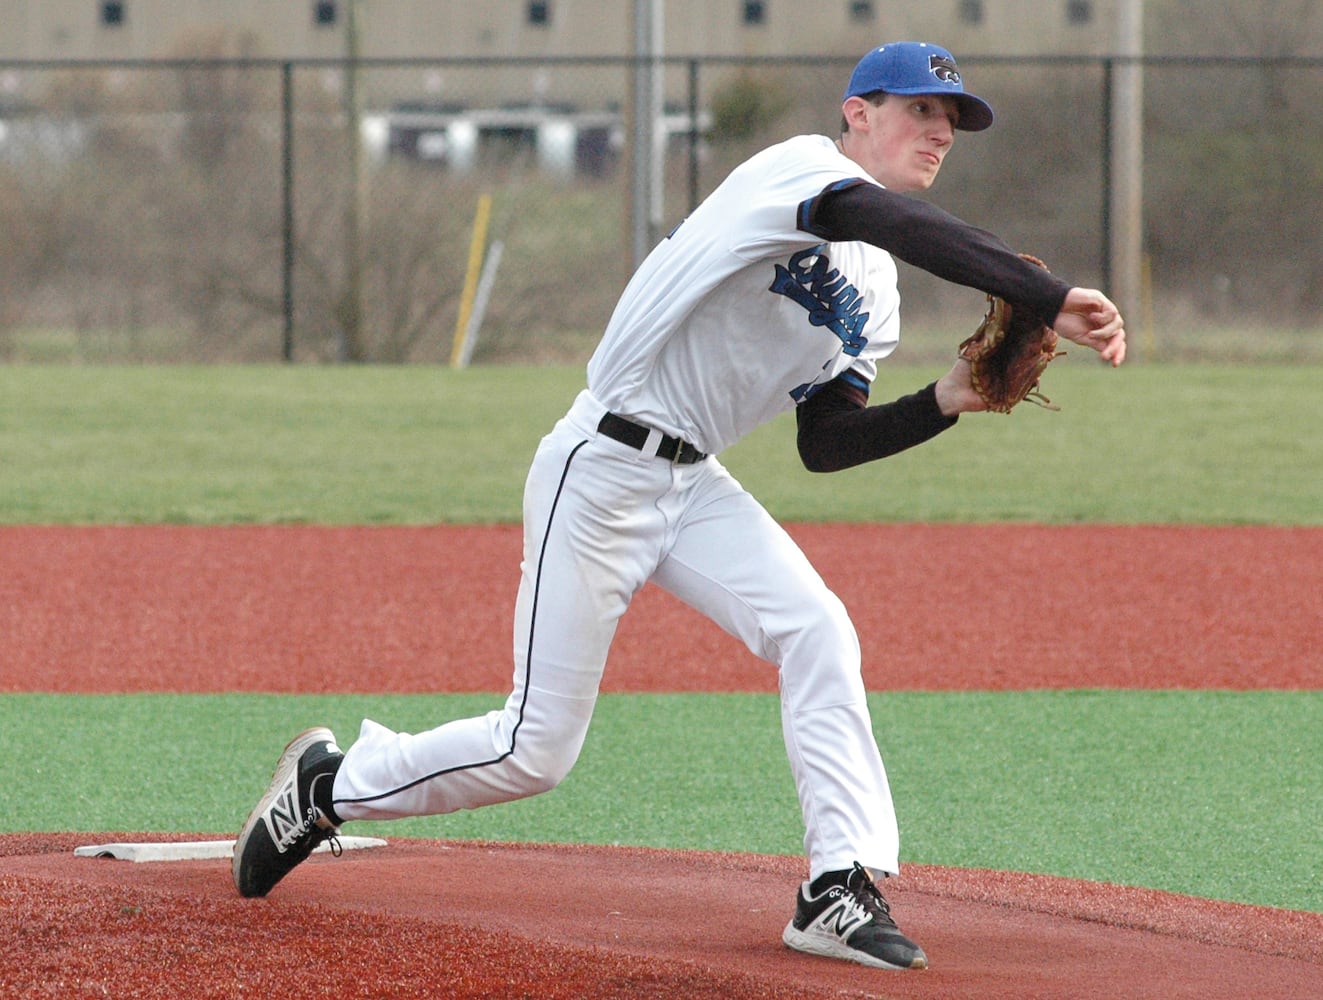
{"type": "Point", "coordinates": [314, 211]}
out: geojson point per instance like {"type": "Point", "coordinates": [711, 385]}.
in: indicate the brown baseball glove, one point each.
{"type": "Point", "coordinates": [1008, 353]}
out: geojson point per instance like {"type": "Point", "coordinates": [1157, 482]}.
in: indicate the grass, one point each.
{"type": "Point", "coordinates": [235, 445]}
{"type": "Point", "coordinates": [198, 445]}
{"type": "Point", "coordinates": [1206, 793]}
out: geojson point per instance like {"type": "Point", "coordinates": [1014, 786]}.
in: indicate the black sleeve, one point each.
{"type": "Point", "coordinates": [925, 236]}
{"type": "Point", "coordinates": [838, 430]}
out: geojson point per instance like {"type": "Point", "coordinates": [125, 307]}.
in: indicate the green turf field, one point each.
{"type": "Point", "coordinates": [1155, 444]}
{"type": "Point", "coordinates": [1211, 793]}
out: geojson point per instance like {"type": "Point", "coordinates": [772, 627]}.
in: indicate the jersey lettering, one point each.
{"type": "Point", "coordinates": [802, 392]}
{"type": "Point", "coordinates": [826, 294]}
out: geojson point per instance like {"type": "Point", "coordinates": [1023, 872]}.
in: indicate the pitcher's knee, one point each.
{"type": "Point", "coordinates": [541, 764]}
{"type": "Point", "coordinates": [823, 634]}
{"type": "Point", "coordinates": [820, 664]}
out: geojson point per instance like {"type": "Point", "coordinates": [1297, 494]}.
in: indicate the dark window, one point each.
{"type": "Point", "coordinates": [323, 12]}
{"type": "Point", "coordinates": [862, 10]}
{"type": "Point", "coordinates": [755, 12]}
{"type": "Point", "coordinates": [1079, 11]}
{"type": "Point", "coordinates": [971, 11]}
{"type": "Point", "coordinates": [539, 12]}
{"type": "Point", "coordinates": [112, 13]}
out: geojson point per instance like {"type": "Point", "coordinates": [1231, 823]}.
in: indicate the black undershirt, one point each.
{"type": "Point", "coordinates": [836, 428]}
{"type": "Point", "coordinates": [936, 241]}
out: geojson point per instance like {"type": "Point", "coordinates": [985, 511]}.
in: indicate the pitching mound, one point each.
{"type": "Point", "coordinates": [449, 919]}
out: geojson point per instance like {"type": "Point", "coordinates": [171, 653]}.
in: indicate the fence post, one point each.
{"type": "Point", "coordinates": [1127, 165]}
{"type": "Point", "coordinates": [647, 106]}
{"type": "Point", "coordinates": [693, 134]}
{"type": "Point", "coordinates": [287, 206]}
{"type": "Point", "coordinates": [1107, 118]}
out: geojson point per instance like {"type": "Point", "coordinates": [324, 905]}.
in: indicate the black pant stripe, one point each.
{"type": "Point", "coordinates": [528, 665]}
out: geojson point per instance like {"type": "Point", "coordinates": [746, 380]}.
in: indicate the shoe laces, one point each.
{"type": "Point", "coordinates": [860, 884]}
{"type": "Point", "coordinates": [323, 831]}
{"type": "Point", "coordinates": [312, 828]}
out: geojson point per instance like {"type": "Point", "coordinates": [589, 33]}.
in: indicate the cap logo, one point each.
{"type": "Point", "coordinates": [944, 68]}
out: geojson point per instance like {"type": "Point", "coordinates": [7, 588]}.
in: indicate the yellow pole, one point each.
{"type": "Point", "coordinates": [476, 245]}
{"type": "Point", "coordinates": [1146, 329]}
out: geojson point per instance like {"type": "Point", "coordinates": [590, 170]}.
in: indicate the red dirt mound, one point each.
{"type": "Point", "coordinates": [442, 919]}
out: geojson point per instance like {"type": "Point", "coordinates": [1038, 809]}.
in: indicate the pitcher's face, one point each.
{"type": "Point", "coordinates": [901, 142]}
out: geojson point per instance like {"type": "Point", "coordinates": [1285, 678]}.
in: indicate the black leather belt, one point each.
{"type": "Point", "coordinates": [672, 449]}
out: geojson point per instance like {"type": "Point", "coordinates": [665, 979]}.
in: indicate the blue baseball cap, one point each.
{"type": "Point", "coordinates": [918, 68]}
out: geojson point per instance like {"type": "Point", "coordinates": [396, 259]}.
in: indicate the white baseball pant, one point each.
{"type": "Point", "coordinates": [600, 520]}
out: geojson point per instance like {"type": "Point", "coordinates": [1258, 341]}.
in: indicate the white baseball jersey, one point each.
{"type": "Point", "coordinates": [732, 319]}
{"type": "Point", "coordinates": [792, 312]}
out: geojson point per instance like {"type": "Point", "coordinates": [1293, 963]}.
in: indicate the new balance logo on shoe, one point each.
{"type": "Point", "coordinates": [851, 921]}
{"type": "Point", "coordinates": [284, 822]}
{"type": "Point", "coordinates": [844, 917]}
